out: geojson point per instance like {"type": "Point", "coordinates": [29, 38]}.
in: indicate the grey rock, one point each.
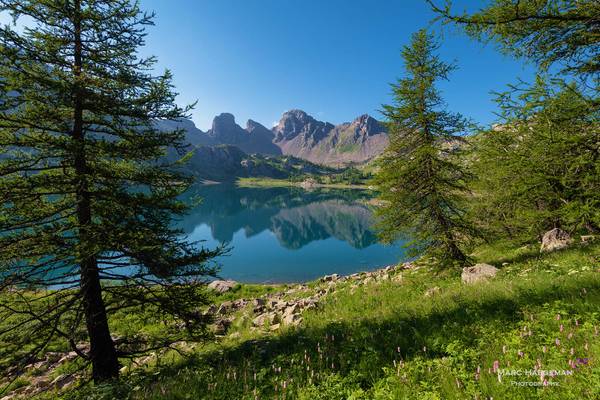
{"type": "Point", "coordinates": [269, 317]}
{"type": "Point", "coordinates": [478, 272]}
{"type": "Point", "coordinates": [330, 278]}
{"type": "Point", "coordinates": [222, 286]}
{"type": "Point", "coordinates": [292, 319]}
{"type": "Point", "coordinates": [555, 239]}
{"type": "Point", "coordinates": [222, 325]}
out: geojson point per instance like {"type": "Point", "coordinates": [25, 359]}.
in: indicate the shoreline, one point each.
{"type": "Point", "coordinates": [307, 185]}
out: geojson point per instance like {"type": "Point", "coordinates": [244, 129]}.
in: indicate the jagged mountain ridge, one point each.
{"type": "Point", "coordinates": [297, 134]}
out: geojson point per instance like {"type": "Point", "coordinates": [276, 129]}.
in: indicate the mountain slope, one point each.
{"type": "Point", "coordinates": [255, 139]}
{"type": "Point", "coordinates": [297, 134]}
{"type": "Point", "coordinates": [359, 141]}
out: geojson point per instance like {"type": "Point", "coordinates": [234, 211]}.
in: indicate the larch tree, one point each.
{"type": "Point", "coordinates": [86, 203]}
{"type": "Point", "coordinates": [544, 152]}
{"type": "Point", "coordinates": [565, 33]}
{"type": "Point", "coordinates": [421, 181]}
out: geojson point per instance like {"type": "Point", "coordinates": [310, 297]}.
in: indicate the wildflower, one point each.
{"type": "Point", "coordinates": [576, 323]}
{"type": "Point", "coordinates": [544, 349]}
{"type": "Point", "coordinates": [570, 335]}
{"type": "Point", "coordinates": [521, 354]}
{"type": "Point", "coordinates": [562, 328]}
{"type": "Point", "coordinates": [495, 366]}
{"type": "Point", "coordinates": [557, 341]}
{"type": "Point", "coordinates": [557, 317]}
{"type": "Point", "coordinates": [572, 351]}
{"type": "Point", "coordinates": [503, 349]}
{"type": "Point", "coordinates": [542, 375]}
{"type": "Point", "coordinates": [545, 382]}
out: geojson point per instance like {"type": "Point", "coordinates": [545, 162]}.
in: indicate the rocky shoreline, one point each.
{"type": "Point", "coordinates": [273, 311]}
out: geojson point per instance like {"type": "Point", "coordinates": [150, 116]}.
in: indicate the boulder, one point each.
{"type": "Point", "coordinates": [587, 238]}
{"type": "Point", "coordinates": [270, 317]}
{"type": "Point", "coordinates": [555, 239]}
{"type": "Point", "coordinates": [222, 325]}
{"type": "Point", "coordinates": [293, 309]}
{"type": "Point", "coordinates": [224, 308]}
{"type": "Point", "coordinates": [330, 278]}
{"type": "Point", "coordinates": [478, 272]}
{"type": "Point", "coordinates": [222, 286]}
{"type": "Point", "coordinates": [274, 327]}
{"type": "Point", "coordinates": [292, 319]}
{"type": "Point", "coordinates": [432, 291]}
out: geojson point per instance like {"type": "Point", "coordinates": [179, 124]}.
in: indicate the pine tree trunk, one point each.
{"type": "Point", "coordinates": [103, 355]}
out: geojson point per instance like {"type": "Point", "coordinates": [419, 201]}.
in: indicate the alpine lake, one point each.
{"type": "Point", "coordinates": [286, 234]}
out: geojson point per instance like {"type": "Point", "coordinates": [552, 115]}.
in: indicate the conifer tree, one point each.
{"type": "Point", "coordinates": [85, 203]}
{"type": "Point", "coordinates": [422, 184]}
{"type": "Point", "coordinates": [539, 169]}
{"type": "Point", "coordinates": [549, 32]}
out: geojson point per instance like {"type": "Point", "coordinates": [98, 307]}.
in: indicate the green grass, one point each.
{"type": "Point", "coordinates": [271, 182]}
{"type": "Point", "coordinates": [389, 340]}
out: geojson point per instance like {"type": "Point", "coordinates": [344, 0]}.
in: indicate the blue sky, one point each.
{"type": "Point", "coordinates": [332, 58]}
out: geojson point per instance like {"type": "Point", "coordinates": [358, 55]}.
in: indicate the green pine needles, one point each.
{"type": "Point", "coordinates": [85, 206]}
{"type": "Point", "coordinates": [421, 180]}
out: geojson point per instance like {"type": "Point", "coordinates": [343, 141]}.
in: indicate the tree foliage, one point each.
{"type": "Point", "coordinates": [540, 169]}
{"type": "Point", "coordinates": [564, 32]}
{"type": "Point", "coordinates": [85, 207]}
{"type": "Point", "coordinates": [422, 183]}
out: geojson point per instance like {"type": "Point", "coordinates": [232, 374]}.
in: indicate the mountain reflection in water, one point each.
{"type": "Point", "coordinates": [286, 234]}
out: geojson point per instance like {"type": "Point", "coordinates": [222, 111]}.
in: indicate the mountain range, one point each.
{"type": "Point", "coordinates": [297, 134]}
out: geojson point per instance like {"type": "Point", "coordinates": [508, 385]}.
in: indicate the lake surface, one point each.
{"type": "Point", "coordinates": [287, 234]}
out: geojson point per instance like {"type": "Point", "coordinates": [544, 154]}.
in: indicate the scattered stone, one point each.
{"type": "Point", "coordinates": [383, 277]}
{"type": "Point", "coordinates": [222, 286]}
{"type": "Point", "coordinates": [224, 308]}
{"type": "Point", "coordinates": [211, 309]}
{"type": "Point", "coordinates": [478, 272]}
{"type": "Point", "coordinates": [292, 319]}
{"type": "Point", "coordinates": [587, 238]}
{"type": "Point", "coordinates": [293, 309]}
{"type": "Point", "coordinates": [270, 317]}
{"type": "Point", "coordinates": [222, 325]}
{"type": "Point", "coordinates": [432, 291]}
{"type": "Point", "coordinates": [555, 239]}
{"type": "Point", "coordinates": [407, 265]}
{"type": "Point", "coordinates": [274, 327]}
{"type": "Point", "coordinates": [330, 278]}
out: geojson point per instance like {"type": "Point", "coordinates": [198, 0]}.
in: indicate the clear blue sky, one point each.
{"type": "Point", "coordinates": [332, 58]}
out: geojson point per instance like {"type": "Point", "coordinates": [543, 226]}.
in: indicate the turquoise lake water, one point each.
{"type": "Point", "coordinates": [287, 234]}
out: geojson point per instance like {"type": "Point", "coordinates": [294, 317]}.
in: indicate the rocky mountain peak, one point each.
{"type": "Point", "coordinates": [252, 125]}
{"type": "Point", "coordinates": [368, 125]}
{"type": "Point", "coordinates": [297, 122]}
{"type": "Point", "coordinates": [223, 121]}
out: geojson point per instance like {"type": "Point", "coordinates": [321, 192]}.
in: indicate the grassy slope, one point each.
{"type": "Point", "coordinates": [271, 182]}
{"type": "Point", "coordinates": [388, 340]}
